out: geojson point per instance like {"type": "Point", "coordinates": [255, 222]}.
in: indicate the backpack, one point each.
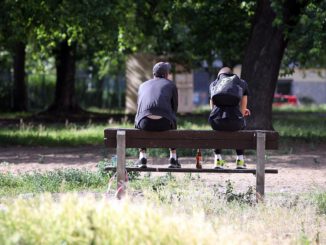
{"type": "Point", "coordinates": [226, 91]}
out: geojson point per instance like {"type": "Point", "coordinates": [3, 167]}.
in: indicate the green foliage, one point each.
{"type": "Point", "coordinates": [306, 46]}
{"type": "Point", "coordinates": [73, 220]}
{"type": "Point", "coordinates": [216, 28]}
{"type": "Point", "coordinates": [320, 200]}
{"type": "Point", "coordinates": [52, 181]}
{"type": "Point", "coordinates": [59, 180]}
{"type": "Point", "coordinates": [247, 197]}
{"type": "Point", "coordinates": [196, 212]}
{"type": "Point", "coordinates": [16, 18]}
{"type": "Point", "coordinates": [75, 21]}
{"type": "Point", "coordinates": [169, 28]}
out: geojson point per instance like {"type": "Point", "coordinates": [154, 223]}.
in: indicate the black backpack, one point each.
{"type": "Point", "coordinates": [226, 91]}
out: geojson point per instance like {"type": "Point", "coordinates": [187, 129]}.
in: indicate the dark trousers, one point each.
{"type": "Point", "coordinates": [157, 125]}
{"type": "Point", "coordinates": [239, 152]}
{"type": "Point", "coordinates": [225, 124]}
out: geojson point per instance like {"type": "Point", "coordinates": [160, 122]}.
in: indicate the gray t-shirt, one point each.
{"type": "Point", "coordinates": [158, 96]}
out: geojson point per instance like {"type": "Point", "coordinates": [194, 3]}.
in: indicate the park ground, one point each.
{"type": "Point", "coordinates": [301, 169]}
{"type": "Point", "coordinates": [52, 173]}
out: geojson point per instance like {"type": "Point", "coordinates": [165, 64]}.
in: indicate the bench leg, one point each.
{"type": "Point", "coordinates": [260, 169]}
{"type": "Point", "coordinates": [121, 163]}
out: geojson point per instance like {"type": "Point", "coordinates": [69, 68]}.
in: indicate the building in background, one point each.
{"type": "Point", "coordinates": [201, 83]}
{"type": "Point", "coordinates": [308, 85]}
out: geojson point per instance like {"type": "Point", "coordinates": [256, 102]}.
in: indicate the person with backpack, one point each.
{"type": "Point", "coordinates": [228, 102]}
{"type": "Point", "coordinates": [157, 106]}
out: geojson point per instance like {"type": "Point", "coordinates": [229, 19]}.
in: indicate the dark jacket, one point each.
{"type": "Point", "coordinates": [229, 92]}
{"type": "Point", "coordinates": [224, 115]}
{"type": "Point", "coordinates": [158, 96]}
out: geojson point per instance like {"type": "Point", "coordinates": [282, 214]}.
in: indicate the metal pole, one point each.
{"type": "Point", "coordinates": [121, 163]}
{"type": "Point", "coordinates": [260, 170]}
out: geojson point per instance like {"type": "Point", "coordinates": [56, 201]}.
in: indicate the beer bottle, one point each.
{"type": "Point", "coordinates": [198, 159]}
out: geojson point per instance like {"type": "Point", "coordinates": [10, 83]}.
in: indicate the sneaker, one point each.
{"type": "Point", "coordinates": [241, 164]}
{"type": "Point", "coordinates": [174, 163]}
{"type": "Point", "coordinates": [141, 163]}
{"type": "Point", "coordinates": [219, 164]}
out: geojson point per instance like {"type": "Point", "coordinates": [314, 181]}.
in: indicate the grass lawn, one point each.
{"type": "Point", "coordinates": [307, 124]}
{"type": "Point", "coordinates": [71, 206]}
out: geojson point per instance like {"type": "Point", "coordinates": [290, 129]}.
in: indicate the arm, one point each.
{"type": "Point", "coordinates": [211, 104]}
{"type": "Point", "coordinates": [243, 106]}
{"type": "Point", "coordinates": [175, 100]}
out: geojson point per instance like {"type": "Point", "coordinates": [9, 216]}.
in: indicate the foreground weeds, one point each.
{"type": "Point", "coordinates": [160, 210]}
{"type": "Point", "coordinates": [72, 220]}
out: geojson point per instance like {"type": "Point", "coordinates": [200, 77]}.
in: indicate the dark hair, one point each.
{"type": "Point", "coordinates": [161, 69]}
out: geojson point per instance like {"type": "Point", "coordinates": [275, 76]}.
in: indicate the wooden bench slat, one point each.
{"type": "Point", "coordinates": [192, 139]}
{"type": "Point", "coordinates": [189, 134]}
{"type": "Point", "coordinates": [190, 144]}
{"type": "Point", "coordinates": [192, 170]}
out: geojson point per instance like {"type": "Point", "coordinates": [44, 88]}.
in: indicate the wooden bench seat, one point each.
{"type": "Point", "coordinates": [260, 140]}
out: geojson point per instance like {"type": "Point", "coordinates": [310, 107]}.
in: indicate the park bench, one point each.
{"type": "Point", "coordinates": [260, 140]}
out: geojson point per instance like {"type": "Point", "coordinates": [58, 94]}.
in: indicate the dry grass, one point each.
{"type": "Point", "coordinates": [167, 212]}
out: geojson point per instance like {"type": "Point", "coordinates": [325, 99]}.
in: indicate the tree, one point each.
{"type": "Point", "coordinates": [65, 62]}
{"type": "Point", "coordinates": [15, 25]}
{"type": "Point", "coordinates": [307, 42]}
{"type": "Point", "coordinates": [272, 29]}
{"type": "Point", "coordinates": [219, 29]}
{"type": "Point", "coordinates": [189, 32]}
{"type": "Point", "coordinates": [65, 29]}
{"type": "Point", "coordinates": [205, 30]}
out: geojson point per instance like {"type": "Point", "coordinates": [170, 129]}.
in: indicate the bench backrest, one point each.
{"type": "Point", "coordinates": [192, 139]}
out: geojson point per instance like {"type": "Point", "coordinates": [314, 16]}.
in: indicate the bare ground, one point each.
{"type": "Point", "coordinates": [302, 171]}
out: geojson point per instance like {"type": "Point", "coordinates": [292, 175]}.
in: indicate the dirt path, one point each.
{"type": "Point", "coordinates": [302, 171]}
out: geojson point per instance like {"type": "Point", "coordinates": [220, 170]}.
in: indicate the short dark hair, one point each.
{"type": "Point", "coordinates": [224, 70]}
{"type": "Point", "coordinates": [161, 69]}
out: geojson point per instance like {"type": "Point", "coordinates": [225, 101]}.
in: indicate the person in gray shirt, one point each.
{"type": "Point", "coordinates": [157, 106]}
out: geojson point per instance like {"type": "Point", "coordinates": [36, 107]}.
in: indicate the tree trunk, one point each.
{"type": "Point", "coordinates": [99, 91]}
{"type": "Point", "coordinates": [65, 61]}
{"type": "Point", "coordinates": [99, 83]}
{"type": "Point", "coordinates": [20, 86]}
{"type": "Point", "coordinates": [263, 56]}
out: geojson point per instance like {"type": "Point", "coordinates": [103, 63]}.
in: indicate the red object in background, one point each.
{"type": "Point", "coordinates": [283, 99]}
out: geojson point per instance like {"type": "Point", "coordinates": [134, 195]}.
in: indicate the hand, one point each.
{"type": "Point", "coordinates": [247, 113]}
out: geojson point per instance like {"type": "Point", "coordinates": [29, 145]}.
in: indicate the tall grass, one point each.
{"type": "Point", "coordinates": [175, 212]}
{"type": "Point", "coordinates": [60, 180]}
{"type": "Point", "coordinates": [71, 220]}
{"type": "Point", "coordinates": [320, 200]}
{"type": "Point", "coordinates": [282, 219]}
